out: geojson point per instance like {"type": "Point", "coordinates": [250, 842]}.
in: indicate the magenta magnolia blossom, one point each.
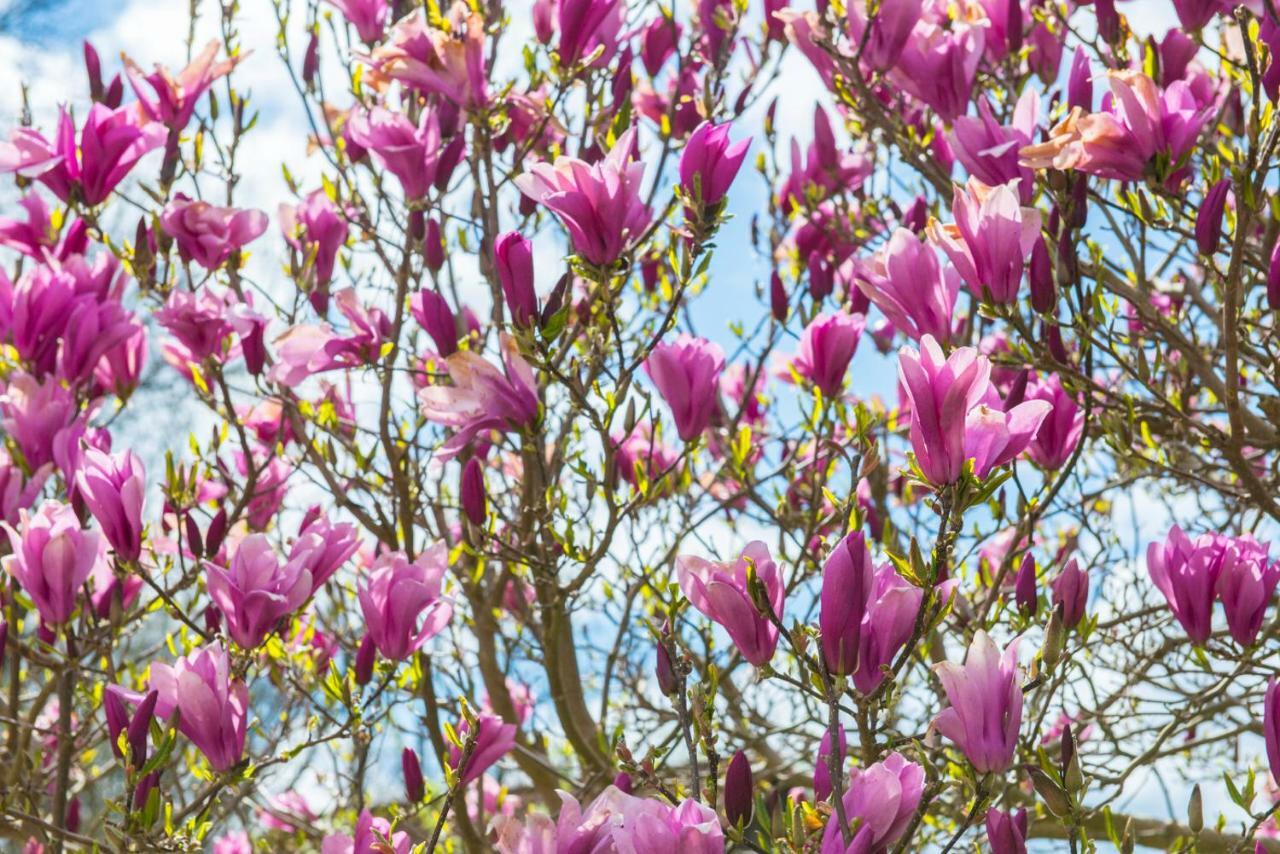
{"type": "Point", "coordinates": [172, 100]}
{"type": "Point", "coordinates": [1246, 585]}
{"type": "Point", "coordinates": [952, 417]}
{"type": "Point", "coordinates": [207, 234]}
{"type": "Point", "coordinates": [600, 204]}
{"type": "Point", "coordinates": [1060, 432]}
{"type": "Point", "coordinates": [369, 17]}
{"type": "Point", "coordinates": [113, 487]}
{"type": "Point", "coordinates": [880, 801]}
{"type": "Point", "coordinates": [1186, 572]}
{"type": "Point", "coordinates": [990, 240]}
{"type": "Point", "coordinates": [255, 592]}
{"type": "Point", "coordinates": [212, 706]}
{"type": "Point", "coordinates": [372, 836]}
{"type": "Point", "coordinates": [827, 346]}
{"type": "Point", "coordinates": [450, 63]}
{"type": "Point", "coordinates": [1007, 832]}
{"type": "Point", "coordinates": [709, 163]}
{"type": "Point", "coordinates": [481, 397]}
{"type": "Point", "coordinates": [1071, 591]}
{"type": "Point", "coordinates": [315, 226]}
{"type": "Point", "coordinates": [890, 29]}
{"type": "Point", "coordinates": [910, 287]}
{"type": "Point", "coordinates": [409, 152]}
{"type": "Point", "coordinates": [513, 256]}
{"type": "Point", "coordinates": [51, 558]}
{"type": "Point", "coordinates": [402, 600]}
{"type": "Point", "coordinates": [721, 592]}
{"type": "Point", "coordinates": [494, 739]}
{"type": "Point", "coordinates": [986, 704]}
{"type": "Point", "coordinates": [687, 374]}
{"type": "Point", "coordinates": [1271, 726]}
{"type": "Point", "coordinates": [989, 150]}
{"type": "Point", "coordinates": [110, 143]}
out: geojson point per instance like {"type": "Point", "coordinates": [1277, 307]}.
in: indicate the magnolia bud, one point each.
{"type": "Point", "coordinates": [778, 297]}
{"type": "Point", "coordinates": [4, 639]}
{"type": "Point", "coordinates": [215, 532]}
{"type": "Point", "coordinates": [738, 791]}
{"type": "Point", "coordinates": [622, 782]}
{"type": "Point", "coordinates": [1053, 795]}
{"type": "Point", "coordinates": [195, 544]}
{"type": "Point", "coordinates": [414, 788]}
{"type": "Point", "coordinates": [474, 503]}
{"type": "Point", "coordinates": [433, 246]}
{"type": "Point", "coordinates": [666, 672]}
{"type": "Point", "coordinates": [513, 256]}
{"type": "Point", "coordinates": [365, 657]}
{"type": "Point", "coordinates": [1209, 219]}
{"type": "Point", "coordinates": [1017, 389]}
{"type": "Point", "coordinates": [117, 719]}
{"type": "Point", "coordinates": [1024, 587]}
{"type": "Point", "coordinates": [1055, 638]}
{"type": "Point", "coordinates": [1273, 279]}
{"type": "Point", "coordinates": [1195, 810]}
{"type": "Point", "coordinates": [73, 815]}
{"type": "Point", "coordinates": [1044, 292]}
{"type": "Point", "coordinates": [311, 59]}
{"type": "Point", "coordinates": [140, 726]}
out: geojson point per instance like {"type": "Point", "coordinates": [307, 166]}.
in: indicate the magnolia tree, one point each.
{"type": "Point", "coordinates": [479, 543]}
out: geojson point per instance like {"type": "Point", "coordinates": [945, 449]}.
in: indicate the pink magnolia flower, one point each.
{"type": "Point", "coordinates": [1271, 726]}
{"type": "Point", "coordinates": [990, 240]}
{"type": "Point", "coordinates": [172, 100]}
{"type": "Point", "coordinates": [450, 63]}
{"type": "Point", "coordinates": [255, 592]}
{"type": "Point", "coordinates": [311, 349]}
{"type": "Point", "coordinates": [720, 591]}
{"type": "Point", "coordinates": [642, 450]}
{"type": "Point", "coordinates": [1060, 432]}
{"type": "Point", "coordinates": [17, 491]}
{"type": "Point", "coordinates": [1120, 143]}
{"type": "Point", "coordinates": [905, 281]}
{"type": "Point", "coordinates": [1007, 832]}
{"type": "Point", "coordinates": [687, 375]}
{"type": "Point", "coordinates": [588, 25]}
{"type": "Point", "coordinates": [52, 558]}
{"type": "Point", "coordinates": [372, 836]}
{"type": "Point", "coordinates": [113, 487]}
{"type": "Point", "coordinates": [207, 234]}
{"type": "Point", "coordinates": [212, 706]}
{"type": "Point", "coordinates": [481, 397]}
{"type": "Point", "coordinates": [289, 811]}
{"type": "Point", "coordinates": [111, 142]}
{"type": "Point", "coordinates": [989, 150]}
{"type": "Point", "coordinates": [396, 594]}
{"type": "Point", "coordinates": [890, 30]}
{"type": "Point", "coordinates": [315, 226]}
{"type": "Point", "coordinates": [1071, 591]}
{"type": "Point", "coordinates": [600, 204]}
{"type": "Point", "coordinates": [33, 413]}
{"type": "Point", "coordinates": [93, 329]}
{"type": "Point", "coordinates": [120, 369]}
{"type": "Point", "coordinates": [880, 801]}
{"type": "Point", "coordinates": [369, 17]}
{"type": "Point", "coordinates": [823, 169]}
{"type": "Point", "coordinates": [709, 163]}
{"type": "Point", "coordinates": [408, 152]}
{"type": "Point", "coordinates": [939, 61]}
{"type": "Point", "coordinates": [986, 704]}
{"type": "Point", "coordinates": [200, 320]}
{"type": "Point", "coordinates": [1246, 585]}
{"type": "Point", "coordinates": [494, 739]}
{"type": "Point", "coordinates": [38, 237]}
{"type": "Point", "coordinates": [322, 549]}
{"type": "Point", "coordinates": [111, 586]}
{"type": "Point", "coordinates": [952, 419]}
{"type": "Point", "coordinates": [235, 842]}
{"type": "Point", "coordinates": [1186, 572]}
{"type": "Point", "coordinates": [827, 346]}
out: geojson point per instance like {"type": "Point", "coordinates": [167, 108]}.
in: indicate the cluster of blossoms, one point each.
{"type": "Point", "coordinates": [488, 458]}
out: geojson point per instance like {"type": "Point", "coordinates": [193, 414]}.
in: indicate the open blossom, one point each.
{"type": "Point", "coordinates": [494, 739]}
{"type": "Point", "coordinates": [880, 801]}
{"type": "Point", "coordinates": [450, 64]}
{"type": "Point", "coordinates": [986, 704]}
{"type": "Point", "coordinates": [208, 234]}
{"type": "Point", "coordinates": [1121, 143]}
{"type": "Point", "coordinates": [827, 346]}
{"type": "Point", "coordinates": [513, 256]}
{"type": "Point", "coordinates": [687, 375]}
{"type": "Point", "coordinates": [890, 29]}
{"type": "Point", "coordinates": [481, 397]}
{"type": "Point", "coordinates": [721, 592]}
{"type": "Point", "coordinates": [954, 414]}
{"type": "Point", "coordinates": [369, 17]}
{"type": "Point", "coordinates": [323, 547]}
{"type": "Point", "coordinates": [824, 169]}
{"type": "Point", "coordinates": [409, 152]}
{"type": "Point", "coordinates": [990, 240]}
{"type": "Point", "coordinates": [989, 150]}
{"type": "Point", "coordinates": [200, 320]}
{"type": "Point", "coordinates": [37, 236]}
{"type": "Point", "coordinates": [212, 706]}
{"type": "Point", "coordinates": [910, 287]}
{"type": "Point", "coordinates": [588, 25]}
{"type": "Point", "coordinates": [600, 204]}
{"type": "Point", "coordinates": [1060, 432]}
{"type": "Point", "coordinates": [52, 558]}
{"type": "Point", "coordinates": [17, 491]}
{"type": "Point", "coordinates": [614, 823]}
{"type": "Point", "coordinates": [311, 349]}
{"type": "Point", "coordinates": [33, 413]}
{"type": "Point", "coordinates": [710, 163]}
{"type": "Point", "coordinates": [1186, 572]}
{"type": "Point", "coordinates": [401, 600]}
{"type": "Point", "coordinates": [172, 100]}
{"type": "Point", "coordinates": [110, 144]}
{"type": "Point", "coordinates": [939, 61]}
{"type": "Point", "coordinates": [255, 592]}
{"type": "Point", "coordinates": [112, 487]}
{"type": "Point", "coordinates": [315, 226]}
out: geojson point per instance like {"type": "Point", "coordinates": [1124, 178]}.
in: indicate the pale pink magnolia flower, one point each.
{"type": "Point", "coordinates": [990, 240]}
{"type": "Point", "coordinates": [450, 64]}
{"type": "Point", "coordinates": [172, 100]}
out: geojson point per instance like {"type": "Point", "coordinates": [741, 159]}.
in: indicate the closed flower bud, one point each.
{"type": "Point", "coordinates": [622, 782]}
{"type": "Point", "coordinates": [433, 314]}
{"type": "Point", "coordinates": [665, 670]}
{"type": "Point", "coordinates": [1053, 795]}
{"type": "Point", "coordinates": [1025, 587]}
{"type": "Point", "coordinates": [1080, 82]}
{"type": "Point", "coordinates": [513, 256]}
{"type": "Point", "coordinates": [433, 246]}
{"type": "Point", "coordinates": [1071, 591]}
{"type": "Point", "coordinates": [311, 59]}
{"type": "Point", "coordinates": [1044, 291]}
{"type": "Point", "coordinates": [778, 294]}
{"type": "Point", "coordinates": [414, 788]}
{"type": "Point", "coordinates": [1209, 218]}
{"type": "Point", "coordinates": [365, 658]}
{"type": "Point", "coordinates": [1195, 810]}
{"type": "Point", "coordinates": [474, 502]}
{"type": "Point", "coordinates": [738, 791]}
{"type": "Point", "coordinates": [1055, 638]}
